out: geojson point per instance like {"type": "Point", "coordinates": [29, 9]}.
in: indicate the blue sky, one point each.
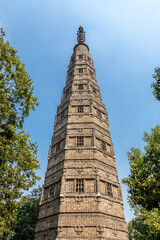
{"type": "Point", "coordinates": [124, 41]}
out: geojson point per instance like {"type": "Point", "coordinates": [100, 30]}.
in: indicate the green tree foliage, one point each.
{"type": "Point", "coordinates": [156, 84]}
{"type": "Point", "coordinates": [143, 182]}
{"type": "Point", "coordinates": [18, 160]}
{"type": "Point", "coordinates": [145, 226]}
{"type": "Point", "coordinates": [27, 216]}
{"type": "Point", "coordinates": [144, 187]}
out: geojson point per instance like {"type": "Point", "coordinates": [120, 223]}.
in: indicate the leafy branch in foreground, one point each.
{"type": "Point", "coordinates": [18, 160]}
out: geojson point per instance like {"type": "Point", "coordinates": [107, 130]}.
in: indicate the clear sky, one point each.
{"type": "Point", "coordinates": [124, 41]}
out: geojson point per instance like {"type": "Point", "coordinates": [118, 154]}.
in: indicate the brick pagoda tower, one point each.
{"type": "Point", "coordinates": [81, 197]}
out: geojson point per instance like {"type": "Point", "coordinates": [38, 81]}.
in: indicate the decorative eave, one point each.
{"type": "Point", "coordinates": [80, 44]}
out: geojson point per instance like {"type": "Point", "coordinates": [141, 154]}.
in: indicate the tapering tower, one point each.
{"type": "Point", "coordinates": [81, 197]}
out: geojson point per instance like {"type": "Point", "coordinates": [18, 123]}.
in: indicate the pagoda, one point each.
{"type": "Point", "coordinates": [81, 197]}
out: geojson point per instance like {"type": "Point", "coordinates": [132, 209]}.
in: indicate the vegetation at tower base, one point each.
{"type": "Point", "coordinates": [18, 160]}
{"type": "Point", "coordinates": [144, 188]}
{"type": "Point", "coordinates": [146, 225]}
{"type": "Point", "coordinates": [156, 84]}
{"type": "Point", "coordinates": [27, 216]}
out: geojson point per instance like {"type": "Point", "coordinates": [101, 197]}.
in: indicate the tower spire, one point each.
{"type": "Point", "coordinates": [80, 35]}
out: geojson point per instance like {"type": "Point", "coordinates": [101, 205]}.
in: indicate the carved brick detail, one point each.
{"type": "Point", "coordinates": [95, 169]}
{"type": "Point", "coordinates": [61, 198]}
{"type": "Point", "coordinates": [98, 198]}
{"type": "Point", "coordinates": [79, 129]}
{"type": "Point", "coordinates": [115, 232]}
{"type": "Point", "coordinates": [79, 169]}
{"type": "Point", "coordinates": [100, 229]}
{"type": "Point", "coordinates": [79, 199]}
{"type": "Point", "coordinates": [79, 229]}
{"type": "Point", "coordinates": [79, 150]}
{"type": "Point", "coordinates": [107, 175]}
{"type": "Point", "coordinates": [59, 229]}
{"type": "Point", "coordinates": [94, 149]}
{"type": "Point", "coordinates": [65, 170]}
{"type": "Point", "coordinates": [111, 202]}
{"type": "Point", "coordinates": [44, 234]}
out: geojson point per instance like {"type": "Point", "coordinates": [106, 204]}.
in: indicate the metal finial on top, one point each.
{"type": "Point", "coordinates": [80, 35]}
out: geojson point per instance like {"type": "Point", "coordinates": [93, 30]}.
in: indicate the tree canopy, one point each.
{"type": "Point", "coordinates": [145, 226]}
{"type": "Point", "coordinates": [156, 84]}
{"type": "Point", "coordinates": [143, 182]}
{"type": "Point", "coordinates": [18, 160]}
{"type": "Point", "coordinates": [27, 216]}
{"type": "Point", "coordinates": [144, 187]}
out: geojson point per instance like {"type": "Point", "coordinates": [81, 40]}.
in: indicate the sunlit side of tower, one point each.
{"type": "Point", "coordinates": [81, 196]}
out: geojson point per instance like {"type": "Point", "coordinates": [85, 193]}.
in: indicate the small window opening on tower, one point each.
{"type": "Point", "coordinates": [80, 86]}
{"type": "Point", "coordinates": [67, 91]}
{"type": "Point", "coordinates": [99, 113]}
{"type": "Point", "coordinates": [46, 193]}
{"type": "Point", "coordinates": [94, 90]}
{"type": "Point", "coordinates": [80, 56]}
{"type": "Point", "coordinates": [79, 185]}
{"type": "Point", "coordinates": [91, 73]}
{"type": "Point", "coordinates": [58, 147]}
{"type": "Point", "coordinates": [80, 70]}
{"type": "Point", "coordinates": [103, 144]}
{"type": "Point", "coordinates": [89, 59]}
{"type": "Point", "coordinates": [119, 193]}
{"type": "Point", "coordinates": [52, 189]}
{"type": "Point", "coordinates": [109, 190]}
{"type": "Point", "coordinates": [80, 109]}
{"type": "Point", "coordinates": [62, 114]}
{"type": "Point", "coordinates": [80, 141]}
